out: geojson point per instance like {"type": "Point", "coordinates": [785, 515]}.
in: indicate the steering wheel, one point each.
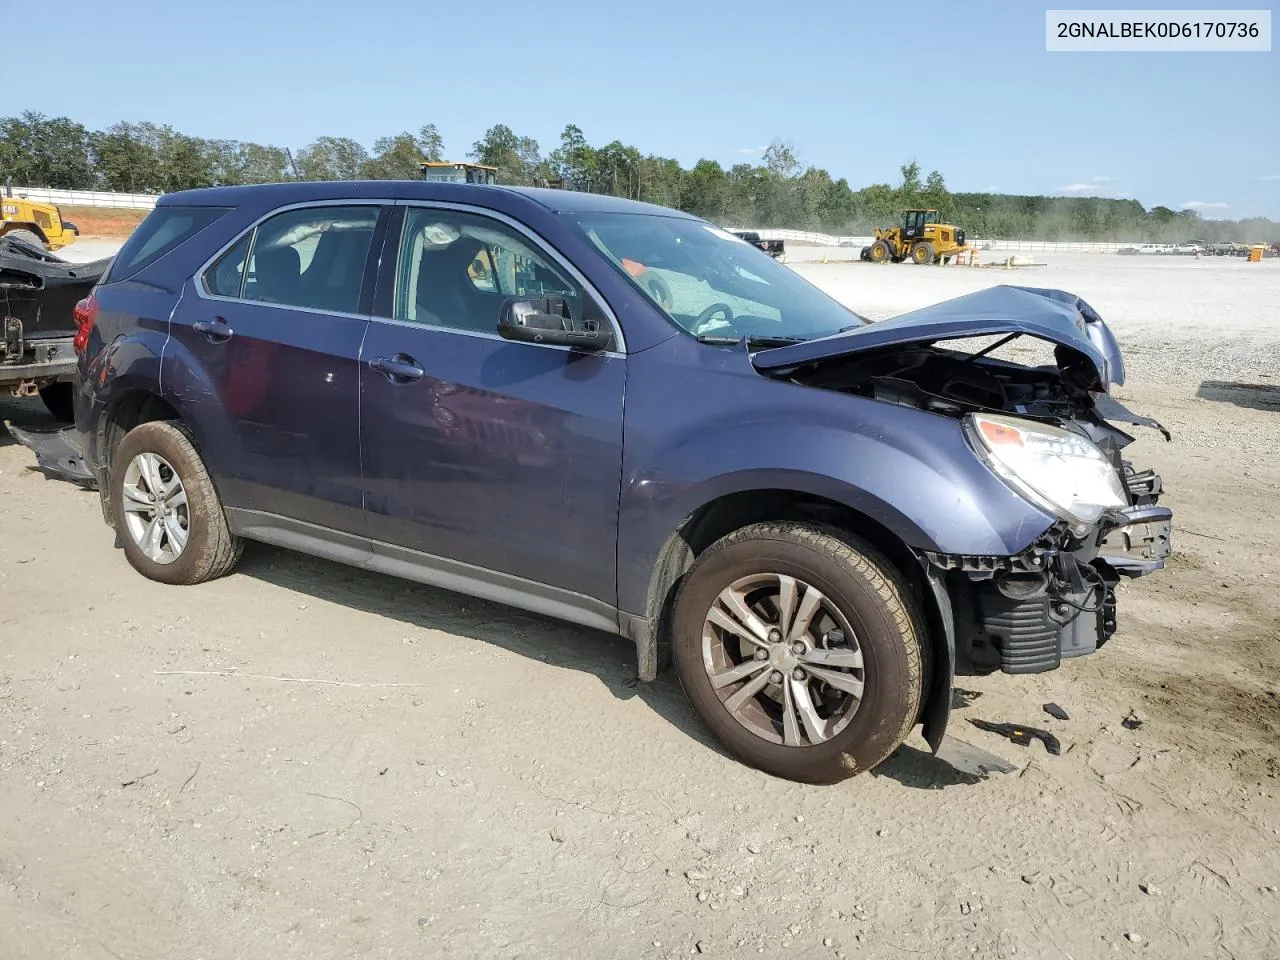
{"type": "Point", "coordinates": [705, 316]}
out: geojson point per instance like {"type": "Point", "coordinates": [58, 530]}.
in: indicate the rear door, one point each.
{"type": "Point", "coordinates": [272, 331]}
{"type": "Point", "coordinates": [504, 456]}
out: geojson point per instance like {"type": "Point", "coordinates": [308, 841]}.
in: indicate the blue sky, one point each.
{"type": "Point", "coordinates": [859, 88]}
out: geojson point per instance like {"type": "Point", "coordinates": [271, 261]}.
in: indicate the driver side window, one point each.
{"type": "Point", "coordinates": [457, 270]}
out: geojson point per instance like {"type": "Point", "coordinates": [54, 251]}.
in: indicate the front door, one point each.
{"type": "Point", "coordinates": [503, 456]}
{"type": "Point", "coordinates": [275, 328]}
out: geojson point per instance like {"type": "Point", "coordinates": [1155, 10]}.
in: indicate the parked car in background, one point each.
{"type": "Point", "coordinates": [775, 248]}
{"type": "Point", "coordinates": [817, 520]}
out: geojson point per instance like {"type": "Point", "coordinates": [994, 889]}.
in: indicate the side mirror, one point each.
{"type": "Point", "coordinates": [547, 320]}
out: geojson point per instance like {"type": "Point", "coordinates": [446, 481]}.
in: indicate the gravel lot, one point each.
{"type": "Point", "coordinates": [307, 760]}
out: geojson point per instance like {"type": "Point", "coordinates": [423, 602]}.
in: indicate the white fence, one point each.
{"type": "Point", "coordinates": [91, 198]}
{"type": "Point", "coordinates": [1015, 246]}
{"type": "Point", "coordinates": [87, 198]}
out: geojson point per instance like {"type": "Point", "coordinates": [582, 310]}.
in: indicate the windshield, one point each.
{"type": "Point", "coordinates": [711, 283]}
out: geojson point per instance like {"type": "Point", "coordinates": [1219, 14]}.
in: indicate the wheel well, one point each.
{"type": "Point", "coordinates": [123, 414]}
{"type": "Point", "coordinates": [709, 523]}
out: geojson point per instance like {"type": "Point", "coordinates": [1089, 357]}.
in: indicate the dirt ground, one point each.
{"type": "Point", "coordinates": [99, 222]}
{"type": "Point", "coordinates": [307, 760]}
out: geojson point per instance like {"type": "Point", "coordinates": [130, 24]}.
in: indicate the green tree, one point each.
{"type": "Point", "coordinates": [574, 161]}
{"type": "Point", "coordinates": [430, 143]}
{"type": "Point", "coordinates": [264, 164]}
{"type": "Point", "coordinates": [332, 158]}
{"type": "Point", "coordinates": [705, 190]}
{"type": "Point", "coordinates": [397, 157]}
{"type": "Point", "coordinates": [125, 159]}
{"type": "Point", "coordinates": [517, 158]}
{"type": "Point", "coordinates": [41, 151]}
{"type": "Point", "coordinates": [781, 160]}
{"type": "Point", "coordinates": [909, 191]}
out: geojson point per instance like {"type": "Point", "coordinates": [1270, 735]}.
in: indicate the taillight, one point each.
{"type": "Point", "coordinates": [86, 315]}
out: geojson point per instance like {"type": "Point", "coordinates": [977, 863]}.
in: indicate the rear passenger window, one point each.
{"type": "Point", "coordinates": [313, 258]}
{"type": "Point", "coordinates": [163, 229]}
{"type": "Point", "coordinates": [226, 277]}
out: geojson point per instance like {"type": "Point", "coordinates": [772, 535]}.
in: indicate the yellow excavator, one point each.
{"type": "Point", "coordinates": [921, 239]}
{"type": "Point", "coordinates": [39, 224]}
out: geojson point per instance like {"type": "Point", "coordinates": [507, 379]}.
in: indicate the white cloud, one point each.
{"type": "Point", "coordinates": [1203, 205]}
{"type": "Point", "coordinates": [1271, 176]}
{"type": "Point", "coordinates": [1103, 179]}
{"type": "Point", "coordinates": [752, 150]}
{"type": "Point", "coordinates": [1076, 188]}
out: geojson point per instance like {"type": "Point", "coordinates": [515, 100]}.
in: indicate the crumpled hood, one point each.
{"type": "Point", "coordinates": [1052, 315]}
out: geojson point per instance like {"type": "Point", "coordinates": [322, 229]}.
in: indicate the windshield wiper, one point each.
{"type": "Point", "coordinates": [749, 337]}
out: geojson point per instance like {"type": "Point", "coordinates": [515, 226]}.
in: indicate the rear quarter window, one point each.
{"type": "Point", "coordinates": [164, 228]}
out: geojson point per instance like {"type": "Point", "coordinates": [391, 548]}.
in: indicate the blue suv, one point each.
{"type": "Point", "coordinates": [625, 417]}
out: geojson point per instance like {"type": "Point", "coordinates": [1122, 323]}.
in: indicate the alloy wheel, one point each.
{"type": "Point", "coordinates": [155, 508]}
{"type": "Point", "coordinates": [783, 659]}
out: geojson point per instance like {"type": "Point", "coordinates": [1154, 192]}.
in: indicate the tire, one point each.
{"type": "Point", "coordinates": [879, 252]}
{"type": "Point", "coordinates": [210, 549]}
{"type": "Point", "coordinates": [922, 252]}
{"type": "Point", "coordinates": [58, 400]}
{"type": "Point", "coordinates": [28, 236]}
{"type": "Point", "coordinates": [855, 582]}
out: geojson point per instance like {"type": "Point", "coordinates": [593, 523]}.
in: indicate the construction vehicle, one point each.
{"type": "Point", "coordinates": [39, 224]}
{"type": "Point", "coordinates": [921, 238]}
{"type": "Point", "coordinates": [450, 171]}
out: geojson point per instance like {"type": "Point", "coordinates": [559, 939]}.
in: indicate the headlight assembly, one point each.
{"type": "Point", "coordinates": [1060, 471]}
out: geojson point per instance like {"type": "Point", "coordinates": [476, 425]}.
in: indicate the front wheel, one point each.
{"type": "Point", "coordinates": [167, 511]}
{"type": "Point", "coordinates": [799, 648]}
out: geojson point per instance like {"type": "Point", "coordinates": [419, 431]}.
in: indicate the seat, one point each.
{"type": "Point", "coordinates": [276, 274]}
{"type": "Point", "coordinates": [446, 295]}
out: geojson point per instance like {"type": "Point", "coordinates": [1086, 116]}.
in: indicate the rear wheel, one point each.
{"type": "Point", "coordinates": [798, 648]}
{"type": "Point", "coordinates": [28, 236]}
{"type": "Point", "coordinates": [170, 518]}
{"type": "Point", "coordinates": [879, 252]}
{"type": "Point", "coordinates": [922, 252]}
{"type": "Point", "coordinates": [57, 398]}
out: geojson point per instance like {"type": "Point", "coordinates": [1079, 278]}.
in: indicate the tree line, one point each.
{"type": "Point", "coordinates": [778, 191]}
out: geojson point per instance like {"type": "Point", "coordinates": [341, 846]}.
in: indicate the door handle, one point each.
{"type": "Point", "coordinates": [215, 332]}
{"type": "Point", "coordinates": [401, 368]}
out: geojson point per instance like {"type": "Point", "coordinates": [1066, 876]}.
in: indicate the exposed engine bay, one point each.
{"type": "Point", "coordinates": [1055, 600]}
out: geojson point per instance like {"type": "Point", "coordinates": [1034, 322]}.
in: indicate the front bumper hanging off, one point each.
{"type": "Point", "coordinates": [1056, 600]}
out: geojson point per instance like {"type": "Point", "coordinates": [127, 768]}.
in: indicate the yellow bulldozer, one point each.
{"type": "Point", "coordinates": [39, 224]}
{"type": "Point", "coordinates": [921, 239]}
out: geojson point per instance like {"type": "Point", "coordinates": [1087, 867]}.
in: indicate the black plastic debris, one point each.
{"type": "Point", "coordinates": [1021, 735]}
{"type": "Point", "coordinates": [54, 455]}
{"type": "Point", "coordinates": [1055, 711]}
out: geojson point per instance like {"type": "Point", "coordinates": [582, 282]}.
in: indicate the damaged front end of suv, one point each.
{"type": "Point", "coordinates": [1048, 432]}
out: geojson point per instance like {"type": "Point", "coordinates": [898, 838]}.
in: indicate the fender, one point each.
{"type": "Point", "coordinates": [126, 364]}
{"type": "Point", "coordinates": [911, 471]}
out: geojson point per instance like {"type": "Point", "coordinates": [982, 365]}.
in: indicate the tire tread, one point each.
{"type": "Point", "coordinates": [882, 577]}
